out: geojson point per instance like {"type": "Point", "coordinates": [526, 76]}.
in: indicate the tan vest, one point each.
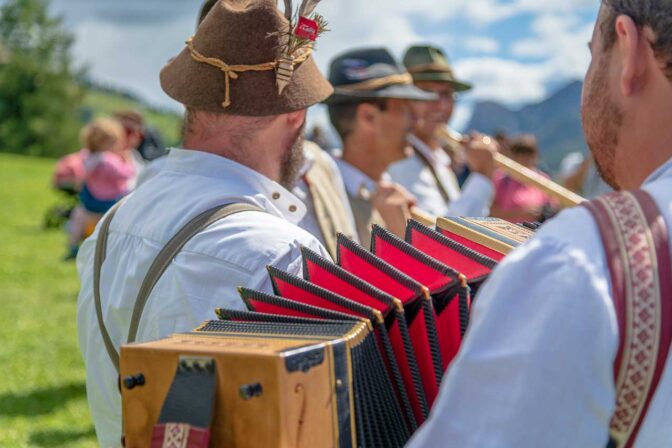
{"type": "Point", "coordinates": [365, 217]}
{"type": "Point", "coordinates": [330, 211]}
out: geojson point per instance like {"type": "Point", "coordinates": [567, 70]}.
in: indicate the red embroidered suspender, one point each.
{"type": "Point", "coordinates": [636, 244]}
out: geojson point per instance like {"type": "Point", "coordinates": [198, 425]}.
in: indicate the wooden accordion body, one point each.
{"type": "Point", "coordinates": [312, 389]}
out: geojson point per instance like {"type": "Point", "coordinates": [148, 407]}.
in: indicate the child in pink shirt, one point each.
{"type": "Point", "coordinates": [107, 172]}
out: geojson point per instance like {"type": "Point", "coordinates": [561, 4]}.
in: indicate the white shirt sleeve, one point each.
{"type": "Point", "coordinates": [476, 198]}
{"type": "Point", "coordinates": [536, 367]}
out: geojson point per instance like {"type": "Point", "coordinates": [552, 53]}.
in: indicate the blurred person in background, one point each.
{"type": "Point", "coordinates": [108, 172]}
{"type": "Point", "coordinates": [515, 201]}
{"type": "Point", "coordinates": [372, 113]}
{"type": "Point", "coordinates": [426, 170]}
{"type": "Point", "coordinates": [579, 173]}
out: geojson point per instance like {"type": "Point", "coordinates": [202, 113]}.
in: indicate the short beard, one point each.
{"type": "Point", "coordinates": [602, 120]}
{"type": "Point", "coordinates": [293, 160]}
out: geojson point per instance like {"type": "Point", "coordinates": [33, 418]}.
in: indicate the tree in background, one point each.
{"type": "Point", "coordinates": [40, 98]}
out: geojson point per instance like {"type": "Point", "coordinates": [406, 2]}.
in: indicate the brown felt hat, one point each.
{"type": "Point", "coordinates": [241, 33]}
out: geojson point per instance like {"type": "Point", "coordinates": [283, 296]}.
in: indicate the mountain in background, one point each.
{"type": "Point", "coordinates": [556, 122]}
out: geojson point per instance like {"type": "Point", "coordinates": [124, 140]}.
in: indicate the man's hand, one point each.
{"type": "Point", "coordinates": [394, 203]}
{"type": "Point", "coordinates": [480, 151]}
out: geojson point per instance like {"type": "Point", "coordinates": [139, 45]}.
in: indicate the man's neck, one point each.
{"type": "Point", "coordinates": [250, 157]}
{"type": "Point", "coordinates": [428, 139]}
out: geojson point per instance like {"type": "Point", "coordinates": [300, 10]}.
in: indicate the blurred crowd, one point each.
{"type": "Point", "coordinates": [115, 152]}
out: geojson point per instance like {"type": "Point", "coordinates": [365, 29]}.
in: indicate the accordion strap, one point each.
{"type": "Point", "coordinates": [158, 267]}
{"type": "Point", "coordinates": [637, 249]}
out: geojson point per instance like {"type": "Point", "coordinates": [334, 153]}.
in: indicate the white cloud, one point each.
{"type": "Point", "coordinates": [483, 45]}
{"type": "Point", "coordinates": [504, 80]}
{"type": "Point", "coordinates": [560, 40]}
{"type": "Point", "coordinates": [131, 53]}
{"type": "Point", "coordinates": [131, 56]}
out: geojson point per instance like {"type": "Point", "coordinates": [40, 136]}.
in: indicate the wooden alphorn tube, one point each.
{"type": "Point", "coordinates": [515, 170]}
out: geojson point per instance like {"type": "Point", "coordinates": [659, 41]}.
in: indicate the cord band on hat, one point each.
{"type": "Point", "coordinates": [233, 71]}
{"type": "Point", "coordinates": [378, 83]}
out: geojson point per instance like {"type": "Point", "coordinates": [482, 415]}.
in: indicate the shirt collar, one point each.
{"type": "Point", "coordinates": [355, 181]}
{"type": "Point", "coordinates": [435, 157]}
{"type": "Point", "coordinates": [665, 170]}
{"type": "Point", "coordinates": [237, 179]}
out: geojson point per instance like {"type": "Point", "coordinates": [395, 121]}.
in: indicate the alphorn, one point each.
{"type": "Point", "coordinates": [515, 170]}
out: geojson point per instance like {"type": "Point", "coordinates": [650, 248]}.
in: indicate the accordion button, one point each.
{"type": "Point", "coordinates": [130, 382]}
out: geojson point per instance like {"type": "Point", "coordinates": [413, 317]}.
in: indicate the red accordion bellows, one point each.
{"type": "Point", "coordinates": [450, 295]}
{"type": "Point", "coordinates": [417, 304]}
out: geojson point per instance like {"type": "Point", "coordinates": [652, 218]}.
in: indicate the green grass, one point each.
{"type": "Point", "coordinates": [42, 384]}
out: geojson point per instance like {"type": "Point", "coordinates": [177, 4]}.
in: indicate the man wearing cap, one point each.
{"type": "Point", "coordinates": [242, 145]}
{"type": "Point", "coordinates": [371, 111]}
{"type": "Point", "coordinates": [426, 171]}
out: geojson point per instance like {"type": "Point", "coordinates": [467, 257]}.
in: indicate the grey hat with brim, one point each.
{"type": "Point", "coordinates": [372, 74]}
{"type": "Point", "coordinates": [397, 91]}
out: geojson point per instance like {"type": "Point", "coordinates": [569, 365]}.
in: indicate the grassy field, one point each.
{"type": "Point", "coordinates": [42, 387]}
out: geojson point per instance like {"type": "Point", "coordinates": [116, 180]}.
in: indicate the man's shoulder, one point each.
{"type": "Point", "coordinates": [570, 242]}
{"type": "Point", "coordinates": [573, 228]}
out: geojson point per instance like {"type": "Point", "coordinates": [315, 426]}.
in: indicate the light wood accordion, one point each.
{"type": "Point", "coordinates": [352, 354]}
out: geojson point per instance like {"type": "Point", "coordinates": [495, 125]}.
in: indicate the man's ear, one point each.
{"type": "Point", "coordinates": [296, 119]}
{"type": "Point", "coordinates": [367, 116]}
{"type": "Point", "coordinates": [634, 51]}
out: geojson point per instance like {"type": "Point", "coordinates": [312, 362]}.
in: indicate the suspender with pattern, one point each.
{"type": "Point", "coordinates": [636, 244]}
{"type": "Point", "coordinates": [158, 267]}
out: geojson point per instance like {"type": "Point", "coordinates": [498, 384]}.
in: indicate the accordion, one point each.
{"type": "Point", "coordinates": [352, 354]}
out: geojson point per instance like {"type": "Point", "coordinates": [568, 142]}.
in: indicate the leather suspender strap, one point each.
{"type": "Point", "coordinates": [159, 265]}
{"type": "Point", "coordinates": [170, 251]}
{"type": "Point", "coordinates": [636, 242]}
{"type": "Point", "coordinates": [428, 164]}
{"type": "Point", "coordinates": [99, 258]}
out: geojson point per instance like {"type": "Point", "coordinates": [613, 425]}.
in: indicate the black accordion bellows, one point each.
{"type": "Point", "coordinates": [378, 418]}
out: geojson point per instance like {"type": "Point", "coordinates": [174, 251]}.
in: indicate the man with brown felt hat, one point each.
{"type": "Point", "coordinates": [246, 79]}
{"type": "Point", "coordinates": [371, 111]}
{"type": "Point", "coordinates": [426, 171]}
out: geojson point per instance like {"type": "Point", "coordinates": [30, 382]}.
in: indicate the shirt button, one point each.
{"type": "Point", "coordinates": [292, 208]}
{"type": "Point", "coordinates": [276, 196]}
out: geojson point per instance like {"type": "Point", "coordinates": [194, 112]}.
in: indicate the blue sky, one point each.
{"type": "Point", "coordinates": [514, 51]}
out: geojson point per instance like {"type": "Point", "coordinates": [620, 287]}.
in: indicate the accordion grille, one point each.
{"type": "Point", "coordinates": [326, 329]}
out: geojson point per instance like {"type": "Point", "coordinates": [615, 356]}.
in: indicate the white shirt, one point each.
{"type": "Point", "coordinates": [302, 191]}
{"type": "Point", "coordinates": [204, 276]}
{"type": "Point", "coordinates": [152, 168]}
{"type": "Point", "coordinates": [412, 173]}
{"type": "Point", "coordinates": [536, 367]}
{"type": "Point", "coordinates": [355, 181]}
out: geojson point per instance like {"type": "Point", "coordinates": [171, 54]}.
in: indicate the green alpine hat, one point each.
{"type": "Point", "coordinates": [428, 63]}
